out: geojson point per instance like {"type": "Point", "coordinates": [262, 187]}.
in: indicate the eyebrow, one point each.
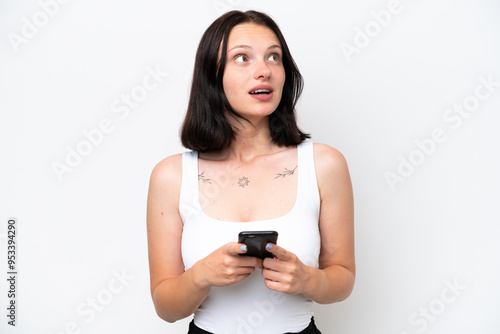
{"type": "Point", "coordinates": [243, 46]}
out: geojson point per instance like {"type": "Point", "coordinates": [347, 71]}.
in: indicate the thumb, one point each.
{"type": "Point", "coordinates": [234, 248]}
{"type": "Point", "coordinates": [279, 252]}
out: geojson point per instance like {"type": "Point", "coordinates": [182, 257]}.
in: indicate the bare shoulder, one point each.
{"type": "Point", "coordinates": [331, 167]}
{"type": "Point", "coordinates": [328, 158]}
{"type": "Point", "coordinates": [168, 170]}
{"type": "Point", "coordinates": [166, 178]}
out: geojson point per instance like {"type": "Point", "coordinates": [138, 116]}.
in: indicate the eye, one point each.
{"type": "Point", "coordinates": [274, 57]}
{"type": "Point", "coordinates": [241, 58]}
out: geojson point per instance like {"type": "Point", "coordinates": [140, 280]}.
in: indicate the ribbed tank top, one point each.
{"type": "Point", "coordinates": [249, 306]}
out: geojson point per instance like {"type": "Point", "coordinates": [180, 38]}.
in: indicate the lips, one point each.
{"type": "Point", "coordinates": [261, 90]}
{"type": "Point", "coordinates": [262, 93]}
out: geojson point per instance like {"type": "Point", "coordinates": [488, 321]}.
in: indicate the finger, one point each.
{"type": "Point", "coordinates": [275, 264]}
{"type": "Point", "coordinates": [249, 261]}
{"type": "Point", "coordinates": [241, 277]}
{"type": "Point", "coordinates": [275, 285]}
{"type": "Point", "coordinates": [272, 275]}
{"type": "Point", "coordinates": [234, 278]}
{"type": "Point", "coordinates": [270, 263]}
{"type": "Point", "coordinates": [243, 271]}
{"type": "Point", "coordinates": [234, 248]}
{"type": "Point", "coordinates": [279, 252]}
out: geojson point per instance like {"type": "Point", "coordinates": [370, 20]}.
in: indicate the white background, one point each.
{"type": "Point", "coordinates": [75, 233]}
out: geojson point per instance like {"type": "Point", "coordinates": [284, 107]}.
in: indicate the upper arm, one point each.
{"type": "Point", "coordinates": [164, 224]}
{"type": "Point", "coordinates": [336, 220]}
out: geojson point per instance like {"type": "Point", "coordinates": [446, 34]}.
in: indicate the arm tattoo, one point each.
{"type": "Point", "coordinates": [287, 172]}
{"type": "Point", "coordinates": [202, 177]}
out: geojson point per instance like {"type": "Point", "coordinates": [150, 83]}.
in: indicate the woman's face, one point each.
{"type": "Point", "coordinates": [254, 74]}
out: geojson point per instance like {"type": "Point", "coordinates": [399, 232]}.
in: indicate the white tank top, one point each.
{"type": "Point", "coordinates": [249, 306]}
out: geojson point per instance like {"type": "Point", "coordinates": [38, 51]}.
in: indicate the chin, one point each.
{"type": "Point", "coordinates": [257, 113]}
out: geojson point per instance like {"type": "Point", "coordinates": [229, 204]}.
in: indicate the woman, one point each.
{"type": "Point", "coordinates": [250, 168]}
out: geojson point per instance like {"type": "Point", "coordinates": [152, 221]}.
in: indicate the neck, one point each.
{"type": "Point", "coordinates": [252, 140]}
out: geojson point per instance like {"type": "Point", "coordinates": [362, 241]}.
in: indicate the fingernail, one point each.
{"type": "Point", "coordinates": [243, 248]}
{"type": "Point", "coordinates": [269, 246]}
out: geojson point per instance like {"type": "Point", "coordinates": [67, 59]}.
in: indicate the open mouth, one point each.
{"type": "Point", "coordinates": [261, 92]}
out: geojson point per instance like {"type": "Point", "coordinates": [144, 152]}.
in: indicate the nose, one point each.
{"type": "Point", "coordinates": [262, 70]}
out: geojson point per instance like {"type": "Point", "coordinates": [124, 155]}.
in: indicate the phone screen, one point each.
{"type": "Point", "coordinates": [256, 242]}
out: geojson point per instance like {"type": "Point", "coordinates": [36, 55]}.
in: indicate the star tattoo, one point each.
{"type": "Point", "coordinates": [243, 182]}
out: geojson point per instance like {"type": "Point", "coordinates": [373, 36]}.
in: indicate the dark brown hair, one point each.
{"type": "Point", "coordinates": [206, 127]}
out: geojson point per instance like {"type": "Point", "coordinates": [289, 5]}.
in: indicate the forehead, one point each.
{"type": "Point", "coordinates": [251, 33]}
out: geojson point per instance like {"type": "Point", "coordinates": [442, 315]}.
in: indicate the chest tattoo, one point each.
{"type": "Point", "coordinates": [287, 172]}
{"type": "Point", "coordinates": [243, 182]}
{"type": "Point", "coordinates": [202, 177]}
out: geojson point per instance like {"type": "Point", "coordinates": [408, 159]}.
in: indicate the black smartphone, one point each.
{"type": "Point", "coordinates": [256, 242]}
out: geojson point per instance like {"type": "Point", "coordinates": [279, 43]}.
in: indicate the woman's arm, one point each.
{"type": "Point", "coordinates": [177, 293]}
{"type": "Point", "coordinates": [334, 279]}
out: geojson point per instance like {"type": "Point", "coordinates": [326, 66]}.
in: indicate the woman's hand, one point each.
{"type": "Point", "coordinates": [285, 273]}
{"type": "Point", "coordinates": [225, 266]}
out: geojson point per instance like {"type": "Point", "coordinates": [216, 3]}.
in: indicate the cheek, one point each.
{"type": "Point", "coordinates": [282, 76]}
{"type": "Point", "coordinates": [278, 77]}
{"type": "Point", "coordinates": [230, 92]}
{"type": "Point", "coordinates": [232, 85]}
{"type": "Point", "coordinates": [281, 79]}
